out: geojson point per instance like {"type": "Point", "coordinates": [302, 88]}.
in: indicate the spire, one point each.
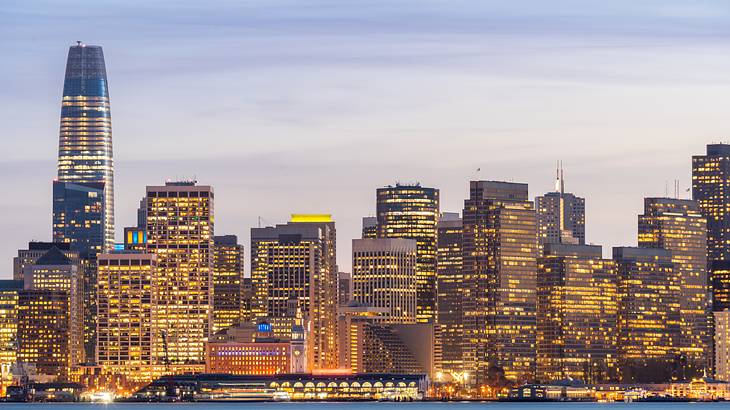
{"type": "Point", "coordinates": [559, 178]}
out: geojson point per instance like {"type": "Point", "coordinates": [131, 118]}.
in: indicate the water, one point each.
{"type": "Point", "coordinates": [370, 406]}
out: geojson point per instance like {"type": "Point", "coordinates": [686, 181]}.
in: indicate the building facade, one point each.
{"type": "Point", "coordinates": [9, 294]}
{"type": "Point", "coordinates": [648, 324]}
{"type": "Point", "coordinates": [710, 181]}
{"type": "Point", "coordinates": [85, 137]}
{"type": "Point", "coordinates": [227, 281]}
{"type": "Point", "coordinates": [450, 286]}
{"type": "Point", "coordinates": [577, 306]}
{"type": "Point", "coordinates": [678, 226]}
{"type": "Point", "coordinates": [127, 299]}
{"type": "Point", "coordinates": [293, 272]}
{"type": "Point", "coordinates": [179, 225]}
{"type": "Point", "coordinates": [722, 344]}
{"type": "Point", "coordinates": [561, 216]}
{"type": "Point", "coordinates": [500, 280]}
{"type": "Point", "coordinates": [411, 212]}
{"type": "Point", "coordinates": [384, 276]}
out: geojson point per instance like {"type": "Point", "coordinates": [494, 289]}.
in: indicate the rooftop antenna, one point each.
{"type": "Point", "coordinates": [559, 181]}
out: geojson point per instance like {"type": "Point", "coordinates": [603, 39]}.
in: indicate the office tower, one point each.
{"type": "Point", "coordinates": [9, 293]}
{"type": "Point", "coordinates": [720, 285]}
{"type": "Point", "coordinates": [450, 285]}
{"type": "Point", "coordinates": [293, 270]}
{"type": "Point", "coordinates": [179, 225]}
{"type": "Point", "coordinates": [126, 303]}
{"type": "Point", "coordinates": [722, 345]}
{"type": "Point", "coordinates": [369, 227]}
{"type": "Point", "coordinates": [499, 262]}
{"type": "Point", "coordinates": [391, 348]}
{"type": "Point", "coordinates": [648, 321]}
{"type": "Point", "coordinates": [384, 276]}
{"type": "Point", "coordinates": [576, 314]}
{"type": "Point", "coordinates": [411, 212]}
{"type": "Point", "coordinates": [561, 216]}
{"type": "Point", "coordinates": [677, 226]}
{"type": "Point", "coordinates": [710, 177]}
{"type": "Point", "coordinates": [44, 333]}
{"type": "Point", "coordinates": [344, 288]}
{"type": "Point", "coordinates": [78, 216]}
{"type": "Point", "coordinates": [36, 250]}
{"type": "Point", "coordinates": [78, 219]}
{"type": "Point", "coordinates": [85, 137]}
{"type": "Point", "coordinates": [227, 281]}
{"type": "Point", "coordinates": [55, 272]}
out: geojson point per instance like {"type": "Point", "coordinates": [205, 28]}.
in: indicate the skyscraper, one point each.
{"type": "Point", "coordinates": [227, 281]}
{"type": "Point", "coordinates": [293, 270]}
{"type": "Point", "coordinates": [126, 303]}
{"type": "Point", "coordinates": [561, 216]}
{"type": "Point", "coordinates": [450, 280]}
{"type": "Point", "coordinates": [36, 250]}
{"type": "Point", "coordinates": [500, 279]}
{"type": "Point", "coordinates": [9, 292]}
{"type": "Point", "coordinates": [384, 276]}
{"type": "Point", "coordinates": [179, 224]}
{"type": "Point", "coordinates": [411, 212]}
{"type": "Point", "coordinates": [677, 226]}
{"type": "Point", "coordinates": [576, 314]}
{"type": "Point", "coordinates": [648, 314]}
{"type": "Point", "coordinates": [85, 137]}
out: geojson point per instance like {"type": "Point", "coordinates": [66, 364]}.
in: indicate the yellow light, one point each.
{"type": "Point", "coordinates": [311, 218]}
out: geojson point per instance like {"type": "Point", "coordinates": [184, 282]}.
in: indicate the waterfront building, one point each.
{"type": "Point", "coordinates": [293, 269]}
{"type": "Point", "coordinates": [411, 212]}
{"type": "Point", "coordinates": [722, 344]}
{"type": "Point", "coordinates": [126, 304]}
{"type": "Point", "coordinates": [85, 137]}
{"type": "Point", "coordinates": [9, 293]}
{"type": "Point", "coordinates": [36, 250]}
{"type": "Point", "coordinates": [678, 226]}
{"type": "Point", "coordinates": [249, 349]}
{"type": "Point", "coordinates": [576, 314]}
{"type": "Point", "coordinates": [55, 272]}
{"type": "Point", "coordinates": [179, 225]}
{"type": "Point", "coordinates": [500, 279]}
{"type": "Point", "coordinates": [450, 287]}
{"type": "Point", "coordinates": [369, 227]}
{"type": "Point", "coordinates": [561, 216]}
{"type": "Point", "coordinates": [44, 334]}
{"type": "Point", "coordinates": [648, 323]}
{"type": "Point", "coordinates": [227, 281]}
{"type": "Point", "coordinates": [384, 276]}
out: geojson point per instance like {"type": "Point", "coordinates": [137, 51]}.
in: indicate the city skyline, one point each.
{"type": "Point", "coordinates": [486, 118]}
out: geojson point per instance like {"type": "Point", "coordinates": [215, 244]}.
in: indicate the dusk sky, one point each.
{"type": "Point", "coordinates": [309, 106]}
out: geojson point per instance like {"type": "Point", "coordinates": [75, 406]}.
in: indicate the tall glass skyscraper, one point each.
{"type": "Point", "coordinates": [85, 138]}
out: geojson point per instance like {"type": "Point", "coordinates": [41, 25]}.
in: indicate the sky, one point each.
{"type": "Point", "coordinates": [308, 106]}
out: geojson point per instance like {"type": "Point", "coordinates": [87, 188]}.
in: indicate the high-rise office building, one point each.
{"type": "Point", "coordinates": [293, 270]}
{"type": "Point", "coordinates": [499, 263]}
{"type": "Point", "coordinates": [85, 137]}
{"type": "Point", "coordinates": [179, 225]}
{"type": "Point", "coordinates": [710, 179]}
{"type": "Point", "coordinates": [9, 293]}
{"type": "Point", "coordinates": [44, 332]}
{"type": "Point", "coordinates": [36, 250]}
{"type": "Point", "coordinates": [78, 219]}
{"type": "Point", "coordinates": [648, 314]}
{"type": "Point", "coordinates": [411, 212]}
{"type": "Point", "coordinates": [227, 281]}
{"type": "Point", "coordinates": [450, 286]}
{"type": "Point", "coordinates": [561, 216]}
{"type": "Point", "coordinates": [344, 288]}
{"type": "Point", "coordinates": [127, 300]}
{"type": "Point", "coordinates": [246, 299]}
{"type": "Point", "coordinates": [55, 272]}
{"type": "Point", "coordinates": [677, 226]}
{"type": "Point", "coordinates": [384, 276]}
{"type": "Point", "coordinates": [576, 314]}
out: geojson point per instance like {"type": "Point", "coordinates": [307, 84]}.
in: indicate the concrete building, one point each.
{"type": "Point", "coordinates": [561, 216]}
{"type": "Point", "coordinates": [722, 345]}
{"type": "Point", "coordinates": [450, 286]}
{"type": "Point", "coordinates": [227, 281]}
